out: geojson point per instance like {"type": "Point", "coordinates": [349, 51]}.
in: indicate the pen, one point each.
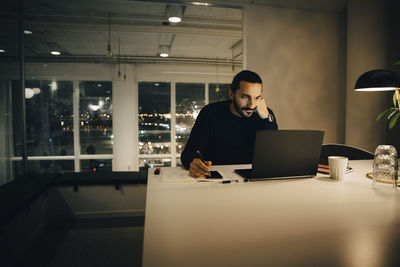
{"type": "Point", "coordinates": [202, 159]}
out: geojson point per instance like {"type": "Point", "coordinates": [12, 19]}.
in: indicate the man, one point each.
{"type": "Point", "coordinates": [224, 132]}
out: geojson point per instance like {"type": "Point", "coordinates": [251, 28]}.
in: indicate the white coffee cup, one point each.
{"type": "Point", "coordinates": [337, 167]}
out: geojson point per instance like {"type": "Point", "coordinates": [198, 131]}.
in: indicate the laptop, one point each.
{"type": "Point", "coordinates": [283, 154]}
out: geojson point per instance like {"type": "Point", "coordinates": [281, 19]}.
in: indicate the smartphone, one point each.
{"type": "Point", "coordinates": [215, 175]}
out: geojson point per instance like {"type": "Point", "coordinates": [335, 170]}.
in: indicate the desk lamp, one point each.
{"type": "Point", "coordinates": [380, 80]}
{"type": "Point", "coordinates": [385, 161]}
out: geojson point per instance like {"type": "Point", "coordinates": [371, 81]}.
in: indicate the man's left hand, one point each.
{"type": "Point", "coordinates": [262, 109]}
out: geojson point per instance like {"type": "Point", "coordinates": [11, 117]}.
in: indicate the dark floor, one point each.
{"type": "Point", "coordinates": [94, 242]}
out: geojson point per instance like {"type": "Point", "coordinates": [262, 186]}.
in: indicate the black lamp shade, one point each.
{"type": "Point", "coordinates": [378, 80]}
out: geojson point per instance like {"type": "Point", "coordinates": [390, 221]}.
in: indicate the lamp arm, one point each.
{"type": "Point", "coordinates": [397, 97]}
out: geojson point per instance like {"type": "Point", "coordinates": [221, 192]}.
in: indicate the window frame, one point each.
{"type": "Point", "coordinates": [77, 156]}
{"type": "Point", "coordinates": [173, 156]}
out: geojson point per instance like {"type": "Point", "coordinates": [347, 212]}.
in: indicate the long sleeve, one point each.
{"type": "Point", "coordinates": [266, 124]}
{"type": "Point", "coordinates": [197, 140]}
{"type": "Point", "coordinates": [222, 137]}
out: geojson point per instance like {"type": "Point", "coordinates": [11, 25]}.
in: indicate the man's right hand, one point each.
{"type": "Point", "coordinates": [198, 168]}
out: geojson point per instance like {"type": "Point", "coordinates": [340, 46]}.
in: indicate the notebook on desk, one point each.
{"type": "Point", "coordinates": [283, 154]}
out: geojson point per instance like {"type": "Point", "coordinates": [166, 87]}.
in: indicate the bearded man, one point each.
{"type": "Point", "coordinates": [224, 132]}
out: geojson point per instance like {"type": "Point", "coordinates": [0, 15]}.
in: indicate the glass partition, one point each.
{"type": "Point", "coordinates": [9, 71]}
{"type": "Point", "coordinates": [50, 166]}
{"type": "Point", "coordinates": [70, 70]}
{"type": "Point", "coordinates": [49, 117]}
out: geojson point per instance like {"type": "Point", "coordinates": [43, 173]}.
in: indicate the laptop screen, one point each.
{"type": "Point", "coordinates": [286, 153]}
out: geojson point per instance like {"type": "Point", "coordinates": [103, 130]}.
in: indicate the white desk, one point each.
{"type": "Point", "coordinates": [304, 222]}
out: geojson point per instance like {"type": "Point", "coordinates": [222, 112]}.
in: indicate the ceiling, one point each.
{"type": "Point", "coordinates": [81, 30]}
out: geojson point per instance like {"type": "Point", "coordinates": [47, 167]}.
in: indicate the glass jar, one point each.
{"type": "Point", "coordinates": [385, 165]}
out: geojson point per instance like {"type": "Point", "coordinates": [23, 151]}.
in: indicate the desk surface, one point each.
{"type": "Point", "coordinates": [302, 222]}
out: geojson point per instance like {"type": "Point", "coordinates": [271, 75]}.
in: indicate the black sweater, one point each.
{"type": "Point", "coordinates": [222, 137]}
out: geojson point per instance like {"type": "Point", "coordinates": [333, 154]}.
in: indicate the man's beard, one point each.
{"type": "Point", "coordinates": [239, 109]}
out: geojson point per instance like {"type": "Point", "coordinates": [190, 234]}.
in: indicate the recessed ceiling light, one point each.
{"type": "Point", "coordinates": [174, 13]}
{"type": "Point", "coordinates": [28, 32]}
{"type": "Point", "coordinates": [174, 19]}
{"type": "Point", "coordinates": [55, 53]}
{"type": "Point", "coordinates": [164, 50]}
{"type": "Point", "coordinates": [2, 50]}
{"type": "Point", "coordinates": [201, 4]}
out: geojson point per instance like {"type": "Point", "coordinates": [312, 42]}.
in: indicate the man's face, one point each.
{"type": "Point", "coordinates": [245, 99]}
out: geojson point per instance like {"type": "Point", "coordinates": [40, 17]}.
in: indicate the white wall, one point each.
{"type": "Point", "coordinates": [300, 57]}
{"type": "Point", "coordinates": [125, 130]}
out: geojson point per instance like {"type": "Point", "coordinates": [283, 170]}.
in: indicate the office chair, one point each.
{"type": "Point", "coordinates": [353, 153]}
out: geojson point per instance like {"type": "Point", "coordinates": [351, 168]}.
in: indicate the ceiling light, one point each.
{"type": "Point", "coordinates": [28, 32]}
{"type": "Point", "coordinates": [164, 50]}
{"type": "Point", "coordinates": [174, 13]}
{"type": "Point", "coordinates": [174, 19]}
{"type": "Point", "coordinates": [2, 50]}
{"type": "Point", "coordinates": [55, 53]}
{"type": "Point", "coordinates": [201, 4]}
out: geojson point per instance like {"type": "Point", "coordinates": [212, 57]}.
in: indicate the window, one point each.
{"type": "Point", "coordinates": [154, 118]}
{"type": "Point", "coordinates": [96, 165]}
{"type": "Point", "coordinates": [50, 166]}
{"type": "Point", "coordinates": [190, 99]}
{"type": "Point", "coordinates": [167, 113]}
{"type": "Point", "coordinates": [154, 162]}
{"type": "Point", "coordinates": [95, 117]}
{"type": "Point", "coordinates": [49, 118]}
{"type": "Point", "coordinates": [52, 145]}
{"type": "Point", "coordinates": [218, 92]}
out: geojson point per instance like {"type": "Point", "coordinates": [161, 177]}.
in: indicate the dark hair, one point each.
{"type": "Point", "coordinates": [244, 75]}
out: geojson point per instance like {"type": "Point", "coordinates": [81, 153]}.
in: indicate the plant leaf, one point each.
{"type": "Point", "coordinates": [393, 121]}
{"type": "Point", "coordinates": [392, 113]}
{"type": "Point", "coordinates": [394, 100]}
{"type": "Point", "coordinates": [397, 62]}
{"type": "Point", "coordinates": [382, 114]}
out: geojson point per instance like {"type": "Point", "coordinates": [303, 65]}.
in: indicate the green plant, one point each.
{"type": "Point", "coordinates": [392, 114]}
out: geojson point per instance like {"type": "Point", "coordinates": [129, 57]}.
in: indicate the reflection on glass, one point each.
{"type": "Point", "coordinates": [190, 99]}
{"type": "Point", "coordinates": [6, 132]}
{"type": "Point", "coordinates": [154, 118]}
{"type": "Point", "coordinates": [150, 163]}
{"type": "Point", "coordinates": [49, 118]}
{"type": "Point", "coordinates": [218, 93]}
{"type": "Point", "coordinates": [96, 165]}
{"type": "Point", "coordinates": [50, 166]}
{"type": "Point", "coordinates": [95, 117]}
